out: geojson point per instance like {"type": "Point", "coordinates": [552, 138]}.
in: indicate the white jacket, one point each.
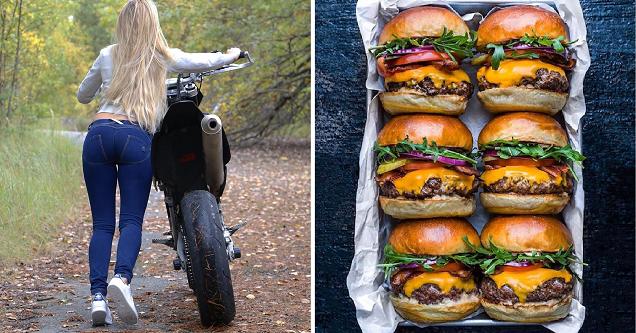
{"type": "Point", "coordinates": [98, 77]}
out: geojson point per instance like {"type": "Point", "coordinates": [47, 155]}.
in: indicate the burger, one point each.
{"type": "Point", "coordinates": [426, 167]}
{"type": "Point", "coordinates": [527, 275]}
{"type": "Point", "coordinates": [419, 54]}
{"type": "Point", "coordinates": [428, 265]}
{"type": "Point", "coordinates": [528, 164]}
{"type": "Point", "coordinates": [525, 60]}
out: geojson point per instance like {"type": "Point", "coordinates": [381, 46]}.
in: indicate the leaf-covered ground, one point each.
{"type": "Point", "coordinates": [267, 187]}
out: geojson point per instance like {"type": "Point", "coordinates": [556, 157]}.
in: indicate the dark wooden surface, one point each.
{"type": "Point", "coordinates": [608, 134]}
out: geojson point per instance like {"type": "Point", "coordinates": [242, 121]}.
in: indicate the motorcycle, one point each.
{"type": "Point", "coordinates": [189, 156]}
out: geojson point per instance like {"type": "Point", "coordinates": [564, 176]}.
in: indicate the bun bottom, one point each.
{"type": "Point", "coordinates": [438, 206]}
{"type": "Point", "coordinates": [405, 102]}
{"type": "Point", "coordinates": [447, 310]}
{"type": "Point", "coordinates": [522, 99]}
{"type": "Point", "coordinates": [532, 312]}
{"type": "Point", "coordinates": [507, 203]}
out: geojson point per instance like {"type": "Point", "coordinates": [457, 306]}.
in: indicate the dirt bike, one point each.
{"type": "Point", "coordinates": [189, 156]}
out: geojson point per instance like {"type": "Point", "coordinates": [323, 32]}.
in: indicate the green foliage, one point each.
{"type": "Point", "coordinates": [40, 181]}
{"type": "Point", "coordinates": [270, 95]}
{"type": "Point", "coordinates": [59, 40]}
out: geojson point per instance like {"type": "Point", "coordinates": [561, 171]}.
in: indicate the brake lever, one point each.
{"type": "Point", "coordinates": [230, 67]}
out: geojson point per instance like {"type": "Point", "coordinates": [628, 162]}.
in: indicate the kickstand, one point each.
{"type": "Point", "coordinates": [236, 227]}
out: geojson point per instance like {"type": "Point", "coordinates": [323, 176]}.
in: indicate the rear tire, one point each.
{"type": "Point", "coordinates": [208, 258]}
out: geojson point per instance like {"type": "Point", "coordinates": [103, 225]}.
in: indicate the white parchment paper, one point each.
{"type": "Point", "coordinates": [374, 311]}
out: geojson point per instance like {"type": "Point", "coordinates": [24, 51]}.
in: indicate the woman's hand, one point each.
{"type": "Point", "coordinates": [235, 52]}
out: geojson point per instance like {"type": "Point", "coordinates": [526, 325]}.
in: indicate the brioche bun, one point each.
{"type": "Point", "coordinates": [530, 312]}
{"type": "Point", "coordinates": [425, 21]}
{"type": "Point", "coordinates": [439, 236]}
{"type": "Point", "coordinates": [525, 127]}
{"type": "Point", "coordinates": [525, 233]}
{"type": "Point", "coordinates": [511, 99]}
{"type": "Point", "coordinates": [515, 203]}
{"type": "Point", "coordinates": [444, 131]}
{"type": "Point", "coordinates": [514, 22]}
{"type": "Point", "coordinates": [438, 206]}
{"type": "Point", "coordinates": [447, 310]}
{"type": "Point", "coordinates": [401, 102]}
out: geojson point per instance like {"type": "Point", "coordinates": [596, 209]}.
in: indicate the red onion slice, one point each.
{"type": "Point", "coordinates": [518, 263]}
{"type": "Point", "coordinates": [415, 49]}
{"type": "Point", "coordinates": [491, 152]}
{"type": "Point", "coordinates": [414, 265]}
{"type": "Point", "coordinates": [409, 266]}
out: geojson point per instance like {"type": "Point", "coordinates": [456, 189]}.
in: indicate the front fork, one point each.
{"type": "Point", "coordinates": [233, 252]}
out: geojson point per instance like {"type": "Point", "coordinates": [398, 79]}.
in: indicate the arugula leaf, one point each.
{"type": "Point", "coordinates": [497, 55]}
{"type": "Point", "coordinates": [512, 148]}
{"type": "Point", "coordinates": [449, 43]}
{"type": "Point", "coordinates": [528, 55]}
{"type": "Point", "coordinates": [558, 44]}
{"type": "Point", "coordinates": [455, 44]}
{"type": "Point", "coordinates": [494, 256]}
{"type": "Point", "coordinates": [393, 260]}
{"type": "Point", "coordinates": [390, 153]}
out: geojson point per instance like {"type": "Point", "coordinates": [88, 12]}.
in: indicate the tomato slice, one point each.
{"type": "Point", "coordinates": [417, 165]}
{"type": "Point", "coordinates": [521, 269]}
{"type": "Point", "coordinates": [522, 161]}
{"type": "Point", "coordinates": [427, 55]}
{"type": "Point", "coordinates": [450, 267]}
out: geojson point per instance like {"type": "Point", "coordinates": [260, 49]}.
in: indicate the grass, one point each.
{"type": "Point", "coordinates": [40, 183]}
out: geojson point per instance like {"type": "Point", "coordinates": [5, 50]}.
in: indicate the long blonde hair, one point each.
{"type": "Point", "coordinates": [140, 58]}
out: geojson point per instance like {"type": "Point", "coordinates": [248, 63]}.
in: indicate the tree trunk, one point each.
{"type": "Point", "coordinates": [16, 63]}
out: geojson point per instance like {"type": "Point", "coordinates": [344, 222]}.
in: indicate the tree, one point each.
{"type": "Point", "coordinates": [47, 46]}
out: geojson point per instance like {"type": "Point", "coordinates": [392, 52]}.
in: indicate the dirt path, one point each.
{"type": "Point", "coordinates": [268, 188]}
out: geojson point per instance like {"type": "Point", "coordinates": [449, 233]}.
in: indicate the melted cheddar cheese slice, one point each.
{"type": "Point", "coordinates": [437, 76]}
{"type": "Point", "coordinates": [523, 283]}
{"type": "Point", "coordinates": [511, 72]}
{"type": "Point", "coordinates": [413, 181]}
{"type": "Point", "coordinates": [444, 280]}
{"type": "Point", "coordinates": [532, 174]}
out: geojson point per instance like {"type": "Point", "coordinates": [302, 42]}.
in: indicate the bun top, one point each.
{"type": "Point", "coordinates": [523, 233]}
{"type": "Point", "coordinates": [426, 21]}
{"type": "Point", "coordinates": [516, 21]}
{"type": "Point", "coordinates": [445, 131]}
{"type": "Point", "coordinates": [440, 236]}
{"type": "Point", "coordinates": [526, 127]}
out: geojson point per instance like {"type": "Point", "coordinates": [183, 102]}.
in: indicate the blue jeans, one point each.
{"type": "Point", "coordinates": [114, 153]}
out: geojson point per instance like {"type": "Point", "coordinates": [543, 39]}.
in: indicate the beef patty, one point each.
{"type": "Point", "coordinates": [554, 288]}
{"type": "Point", "coordinates": [524, 186]}
{"type": "Point", "coordinates": [433, 187]}
{"type": "Point", "coordinates": [431, 294]}
{"type": "Point", "coordinates": [427, 88]}
{"type": "Point", "coordinates": [544, 80]}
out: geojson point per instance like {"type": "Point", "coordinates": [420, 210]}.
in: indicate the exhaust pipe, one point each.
{"type": "Point", "coordinates": [213, 152]}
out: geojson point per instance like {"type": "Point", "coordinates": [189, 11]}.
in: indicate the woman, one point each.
{"type": "Point", "coordinates": [131, 75]}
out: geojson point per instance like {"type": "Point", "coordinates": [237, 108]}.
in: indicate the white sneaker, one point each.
{"type": "Point", "coordinates": [100, 313]}
{"type": "Point", "coordinates": [120, 293]}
